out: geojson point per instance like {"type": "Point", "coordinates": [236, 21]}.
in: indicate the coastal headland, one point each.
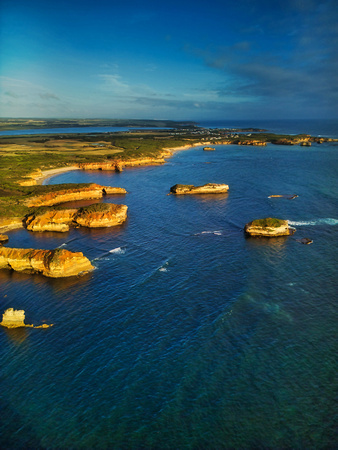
{"type": "Point", "coordinates": [28, 160]}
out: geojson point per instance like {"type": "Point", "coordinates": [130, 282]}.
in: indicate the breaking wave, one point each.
{"type": "Point", "coordinates": [217, 233]}
{"type": "Point", "coordinates": [327, 221]}
{"type": "Point", "coordinates": [118, 250]}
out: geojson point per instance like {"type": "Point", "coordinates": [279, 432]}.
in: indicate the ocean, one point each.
{"type": "Point", "coordinates": [187, 335]}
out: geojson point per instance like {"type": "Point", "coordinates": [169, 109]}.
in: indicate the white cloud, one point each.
{"type": "Point", "coordinates": [114, 83]}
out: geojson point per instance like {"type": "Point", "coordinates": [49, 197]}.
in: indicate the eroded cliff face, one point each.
{"type": "Point", "coordinates": [104, 165]}
{"type": "Point", "coordinates": [252, 142]}
{"type": "Point", "coordinates": [3, 238]}
{"type": "Point", "coordinates": [92, 191]}
{"type": "Point", "coordinates": [111, 216]}
{"type": "Point", "coordinates": [119, 165]}
{"type": "Point", "coordinates": [51, 263]}
{"type": "Point", "coordinates": [51, 220]}
{"type": "Point", "coordinates": [209, 188]}
{"type": "Point", "coordinates": [266, 228]}
{"type": "Point", "coordinates": [92, 216]}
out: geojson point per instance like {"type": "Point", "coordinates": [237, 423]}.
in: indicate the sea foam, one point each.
{"type": "Point", "coordinates": [327, 221]}
{"type": "Point", "coordinates": [118, 250]}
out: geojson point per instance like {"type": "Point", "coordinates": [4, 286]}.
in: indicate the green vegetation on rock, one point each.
{"type": "Point", "coordinates": [94, 208]}
{"type": "Point", "coordinates": [268, 222]}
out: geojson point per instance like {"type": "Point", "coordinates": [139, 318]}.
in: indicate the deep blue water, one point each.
{"type": "Point", "coordinates": [187, 335]}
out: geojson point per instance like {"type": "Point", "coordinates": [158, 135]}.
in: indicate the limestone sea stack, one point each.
{"type": "Point", "coordinates": [56, 263]}
{"type": "Point", "coordinates": [54, 220]}
{"type": "Point", "coordinates": [13, 318]}
{"type": "Point", "coordinates": [268, 227]}
{"type": "Point", "coordinates": [92, 216]}
{"type": "Point", "coordinates": [101, 215]}
{"type": "Point", "coordinates": [209, 188]}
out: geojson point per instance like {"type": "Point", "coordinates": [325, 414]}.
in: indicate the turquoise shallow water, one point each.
{"type": "Point", "coordinates": [187, 334]}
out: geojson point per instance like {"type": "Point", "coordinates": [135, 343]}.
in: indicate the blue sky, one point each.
{"type": "Point", "coordinates": [185, 60]}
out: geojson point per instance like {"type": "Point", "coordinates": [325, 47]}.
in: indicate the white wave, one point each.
{"type": "Point", "coordinates": [216, 232]}
{"type": "Point", "coordinates": [327, 221]}
{"type": "Point", "coordinates": [118, 250]}
{"type": "Point", "coordinates": [62, 245]}
{"type": "Point", "coordinates": [162, 269]}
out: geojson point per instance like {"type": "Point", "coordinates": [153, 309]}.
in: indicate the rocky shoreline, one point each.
{"type": "Point", "coordinates": [104, 214]}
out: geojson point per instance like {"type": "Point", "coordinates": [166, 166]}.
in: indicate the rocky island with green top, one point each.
{"type": "Point", "coordinates": [268, 227]}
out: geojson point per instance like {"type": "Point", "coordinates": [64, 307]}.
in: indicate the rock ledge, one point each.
{"type": "Point", "coordinates": [209, 188]}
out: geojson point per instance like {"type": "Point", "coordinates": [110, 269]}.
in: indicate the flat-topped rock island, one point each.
{"type": "Point", "coordinates": [56, 263]}
{"type": "Point", "coordinates": [268, 227]}
{"type": "Point", "coordinates": [209, 188]}
{"type": "Point", "coordinates": [97, 215]}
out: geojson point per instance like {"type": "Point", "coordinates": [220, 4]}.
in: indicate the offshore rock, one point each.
{"type": "Point", "coordinates": [209, 188]}
{"type": "Point", "coordinates": [269, 227]}
{"type": "Point", "coordinates": [305, 241]}
{"type": "Point", "coordinates": [287, 196]}
{"type": "Point", "coordinates": [51, 263]}
{"type": "Point", "coordinates": [91, 191]}
{"type": "Point", "coordinates": [92, 216]}
{"type": "Point", "coordinates": [56, 220]}
{"type": "Point", "coordinates": [14, 318]}
{"type": "Point", "coordinates": [101, 215]}
{"type": "Point", "coordinates": [208, 149]}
